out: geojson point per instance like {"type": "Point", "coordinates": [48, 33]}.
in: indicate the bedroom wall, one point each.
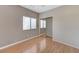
{"type": "Point", "coordinates": [65, 24]}
{"type": "Point", "coordinates": [11, 22]}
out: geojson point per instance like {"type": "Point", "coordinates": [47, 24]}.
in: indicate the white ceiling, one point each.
{"type": "Point", "coordinates": [40, 8]}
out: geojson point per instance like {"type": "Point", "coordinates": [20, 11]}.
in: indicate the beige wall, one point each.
{"type": "Point", "coordinates": [11, 18]}
{"type": "Point", "coordinates": [65, 24]}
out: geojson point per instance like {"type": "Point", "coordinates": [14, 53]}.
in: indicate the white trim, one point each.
{"type": "Point", "coordinates": [20, 41]}
{"type": "Point", "coordinates": [66, 43]}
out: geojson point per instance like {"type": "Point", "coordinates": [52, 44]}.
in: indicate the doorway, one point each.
{"type": "Point", "coordinates": [48, 26]}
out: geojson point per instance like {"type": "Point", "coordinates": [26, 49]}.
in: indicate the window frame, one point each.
{"type": "Point", "coordinates": [30, 23]}
{"type": "Point", "coordinates": [35, 23]}
{"type": "Point", "coordinates": [42, 23]}
{"type": "Point", "coordinates": [24, 26]}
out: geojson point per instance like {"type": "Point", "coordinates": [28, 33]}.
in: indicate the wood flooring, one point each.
{"type": "Point", "coordinates": [56, 47]}
{"type": "Point", "coordinates": [41, 44]}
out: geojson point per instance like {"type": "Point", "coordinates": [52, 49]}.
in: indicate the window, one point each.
{"type": "Point", "coordinates": [42, 23]}
{"type": "Point", "coordinates": [26, 23]}
{"type": "Point", "coordinates": [33, 23]}
{"type": "Point", "coordinates": [29, 23]}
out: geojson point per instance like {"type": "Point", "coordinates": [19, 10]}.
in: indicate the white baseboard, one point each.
{"type": "Point", "coordinates": [66, 43]}
{"type": "Point", "coordinates": [20, 41]}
